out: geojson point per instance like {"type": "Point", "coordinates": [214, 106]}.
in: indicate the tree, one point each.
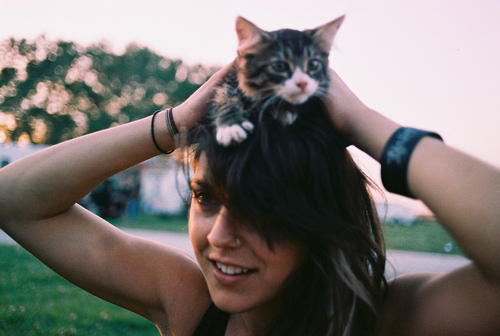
{"type": "Point", "coordinates": [54, 91]}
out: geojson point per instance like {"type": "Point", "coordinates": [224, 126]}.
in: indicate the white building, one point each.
{"type": "Point", "coordinates": [164, 186]}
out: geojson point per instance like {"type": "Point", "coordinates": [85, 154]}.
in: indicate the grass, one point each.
{"type": "Point", "coordinates": [425, 235]}
{"type": "Point", "coordinates": [151, 222]}
{"type": "Point", "coordinates": [36, 301]}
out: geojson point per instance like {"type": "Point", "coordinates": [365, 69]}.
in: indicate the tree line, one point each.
{"type": "Point", "coordinates": [52, 91]}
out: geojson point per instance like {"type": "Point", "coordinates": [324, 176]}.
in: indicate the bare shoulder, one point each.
{"type": "Point", "coordinates": [461, 302]}
{"type": "Point", "coordinates": [179, 285]}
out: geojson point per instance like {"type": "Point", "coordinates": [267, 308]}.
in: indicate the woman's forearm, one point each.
{"type": "Point", "coordinates": [462, 191]}
{"type": "Point", "coordinates": [50, 181]}
{"type": "Point", "coordinates": [464, 194]}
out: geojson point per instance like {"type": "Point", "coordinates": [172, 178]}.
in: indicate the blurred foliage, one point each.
{"type": "Point", "coordinates": [54, 91]}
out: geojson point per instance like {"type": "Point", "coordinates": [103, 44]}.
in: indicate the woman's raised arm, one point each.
{"type": "Point", "coordinates": [464, 194]}
{"type": "Point", "coordinates": [462, 191]}
{"type": "Point", "coordinates": [49, 182]}
{"type": "Point", "coordinates": [37, 208]}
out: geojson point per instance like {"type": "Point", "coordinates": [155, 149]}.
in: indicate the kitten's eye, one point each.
{"type": "Point", "coordinates": [314, 65]}
{"type": "Point", "coordinates": [279, 66]}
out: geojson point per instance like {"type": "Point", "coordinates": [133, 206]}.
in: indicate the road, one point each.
{"type": "Point", "coordinates": [398, 262]}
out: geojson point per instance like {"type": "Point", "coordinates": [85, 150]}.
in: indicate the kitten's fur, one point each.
{"type": "Point", "coordinates": [275, 71]}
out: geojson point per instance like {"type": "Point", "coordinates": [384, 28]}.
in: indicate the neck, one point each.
{"type": "Point", "coordinates": [253, 322]}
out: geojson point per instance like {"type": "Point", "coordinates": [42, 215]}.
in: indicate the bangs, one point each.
{"type": "Point", "coordinates": [281, 179]}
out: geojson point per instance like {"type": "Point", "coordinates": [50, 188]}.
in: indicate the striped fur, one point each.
{"type": "Point", "coordinates": [276, 72]}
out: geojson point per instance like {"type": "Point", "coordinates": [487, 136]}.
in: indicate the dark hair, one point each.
{"type": "Point", "coordinates": [299, 182]}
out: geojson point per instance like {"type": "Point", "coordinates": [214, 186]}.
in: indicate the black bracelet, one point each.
{"type": "Point", "coordinates": [153, 134]}
{"type": "Point", "coordinates": [396, 156]}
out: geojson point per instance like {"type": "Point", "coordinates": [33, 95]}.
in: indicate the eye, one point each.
{"type": "Point", "coordinates": [279, 66]}
{"type": "Point", "coordinates": [314, 65]}
{"type": "Point", "coordinates": [205, 201]}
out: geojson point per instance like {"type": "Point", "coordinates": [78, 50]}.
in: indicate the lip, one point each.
{"type": "Point", "coordinates": [229, 279]}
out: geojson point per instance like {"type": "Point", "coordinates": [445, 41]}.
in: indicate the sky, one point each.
{"type": "Point", "coordinates": [424, 63]}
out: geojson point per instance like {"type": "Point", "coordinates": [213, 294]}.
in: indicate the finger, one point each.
{"type": "Point", "coordinates": [217, 77]}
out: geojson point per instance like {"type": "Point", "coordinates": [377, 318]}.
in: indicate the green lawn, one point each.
{"type": "Point", "coordinates": [150, 222]}
{"type": "Point", "coordinates": [36, 301]}
{"type": "Point", "coordinates": [423, 236]}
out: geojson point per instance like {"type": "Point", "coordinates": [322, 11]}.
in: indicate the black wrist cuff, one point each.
{"type": "Point", "coordinates": [396, 156]}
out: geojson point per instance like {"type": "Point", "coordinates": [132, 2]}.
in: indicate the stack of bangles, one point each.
{"type": "Point", "coordinates": [396, 157]}
{"type": "Point", "coordinates": [172, 129]}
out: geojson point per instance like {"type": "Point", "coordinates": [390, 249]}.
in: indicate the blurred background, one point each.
{"type": "Point", "coordinates": [71, 67]}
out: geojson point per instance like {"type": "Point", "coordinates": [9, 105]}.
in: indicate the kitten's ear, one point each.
{"type": "Point", "coordinates": [324, 35]}
{"type": "Point", "coordinates": [249, 35]}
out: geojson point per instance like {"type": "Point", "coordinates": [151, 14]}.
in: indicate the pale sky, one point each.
{"type": "Point", "coordinates": [425, 63]}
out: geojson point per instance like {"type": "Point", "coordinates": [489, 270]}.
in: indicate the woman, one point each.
{"type": "Point", "coordinates": [267, 267]}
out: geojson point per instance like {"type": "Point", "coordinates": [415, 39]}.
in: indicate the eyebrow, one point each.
{"type": "Point", "coordinates": [199, 184]}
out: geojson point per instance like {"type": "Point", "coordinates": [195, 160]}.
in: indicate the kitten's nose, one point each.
{"type": "Point", "coordinates": [302, 85]}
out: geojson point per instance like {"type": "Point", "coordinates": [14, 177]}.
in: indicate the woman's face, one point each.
{"type": "Point", "coordinates": [240, 276]}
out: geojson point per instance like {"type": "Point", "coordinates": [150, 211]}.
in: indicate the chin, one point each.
{"type": "Point", "coordinates": [232, 305]}
{"type": "Point", "coordinates": [297, 100]}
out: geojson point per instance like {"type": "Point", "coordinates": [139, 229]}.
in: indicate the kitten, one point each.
{"type": "Point", "coordinates": [275, 71]}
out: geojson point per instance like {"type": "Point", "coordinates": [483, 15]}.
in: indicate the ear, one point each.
{"type": "Point", "coordinates": [324, 35]}
{"type": "Point", "coordinates": [249, 35]}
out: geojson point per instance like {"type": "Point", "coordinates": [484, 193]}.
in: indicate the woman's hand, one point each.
{"type": "Point", "coordinates": [354, 121]}
{"type": "Point", "coordinates": [341, 106]}
{"type": "Point", "coordinates": [191, 111]}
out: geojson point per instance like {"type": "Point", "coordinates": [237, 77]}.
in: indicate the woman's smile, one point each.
{"type": "Point", "coordinates": [230, 275]}
{"type": "Point", "coordinates": [230, 269]}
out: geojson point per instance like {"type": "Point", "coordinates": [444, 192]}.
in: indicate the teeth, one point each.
{"type": "Point", "coordinates": [231, 270]}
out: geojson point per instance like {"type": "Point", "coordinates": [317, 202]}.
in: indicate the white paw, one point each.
{"type": "Point", "coordinates": [234, 134]}
{"type": "Point", "coordinates": [247, 125]}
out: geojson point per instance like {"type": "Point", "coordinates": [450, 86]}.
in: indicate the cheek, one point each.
{"type": "Point", "coordinates": [199, 228]}
{"type": "Point", "coordinates": [286, 261]}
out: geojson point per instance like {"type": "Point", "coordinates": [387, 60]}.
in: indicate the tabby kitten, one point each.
{"type": "Point", "coordinates": [275, 72]}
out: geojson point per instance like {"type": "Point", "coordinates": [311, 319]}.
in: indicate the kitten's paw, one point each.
{"type": "Point", "coordinates": [234, 134]}
{"type": "Point", "coordinates": [247, 125]}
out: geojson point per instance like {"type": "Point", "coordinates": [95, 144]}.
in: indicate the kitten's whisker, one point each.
{"type": "Point", "coordinates": [321, 92]}
{"type": "Point", "coordinates": [262, 103]}
{"type": "Point", "coordinates": [270, 101]}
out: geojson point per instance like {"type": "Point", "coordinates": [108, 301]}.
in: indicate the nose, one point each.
{"type": "Point", "coordinates": [302, 85]}
{"type": "Point", "coordinates": [224, 231]}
